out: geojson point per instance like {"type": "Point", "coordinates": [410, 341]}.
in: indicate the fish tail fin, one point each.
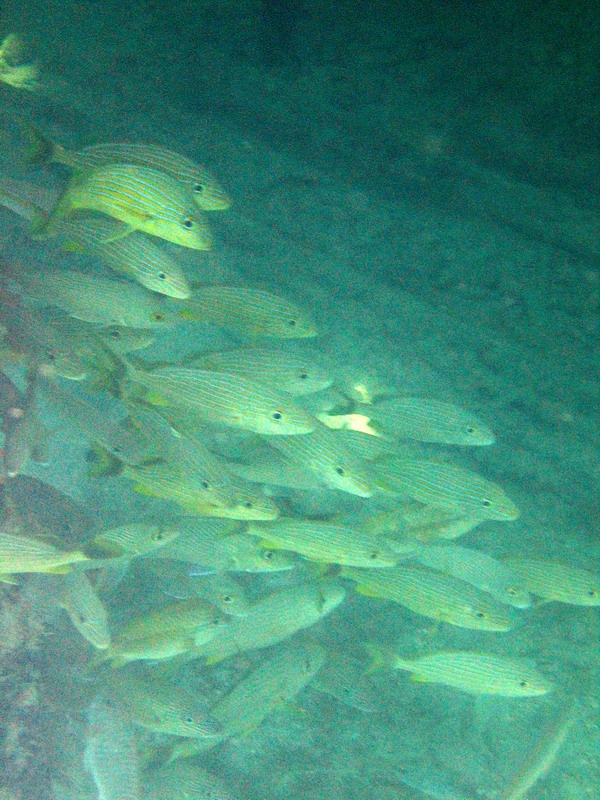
{"type": "Point", "coordinates": [381, 657]}
{"type": "Point", "coordinates": [41, 149]}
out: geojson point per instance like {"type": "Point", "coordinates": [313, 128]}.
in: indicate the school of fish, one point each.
{"type": "Point", "coordinates": [223, 449]}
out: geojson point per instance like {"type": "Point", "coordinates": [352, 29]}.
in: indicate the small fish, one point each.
{"type": "Point", "coordinates": [275, 471]}
{"type": "Point", "coordinates": [85, 609]}
{"type": "Point", "coordinates": [276, 681]}
{"type": "Point", "coordinates": [176, 579]}
{"type": "Point", "coordinates": [289, 372]}
{"type": "Point", "coordinates": [432, 594]}
{"type": "Point", "coordinates": [555, 581]}
{"type": "Point", "coordinates": [119, 437]}
{"type": "Point", "coordinates": [344, 679]}
{"type": "Point", "coordinates": [135, 256]}
{"type": "Point", "coordinates": [478, 569]}
{"type": "Point", "coordinates": [446, 485]}
{"type": "Point", "coordinates": [160, 706]}
{"type": "Point", "coordinates": [431, 421]}
{"type": "Point", "coordinates": [122, 340]}
{"type": "Point", "coordinates": [273, 619]}
{"type": "Point", "coordinates": [111, 755]}
{"type": "Point", "coordinates": [165, 633]}
{"type": "Point", "coordinates": [324, 453]}
{"type": "Point", "coordinates": [95, 298]}
{"type": "Point", "coordinates": [474, 673]}
{"type": "Point", "coordinates": [205, 190]}
{"type": "Point", "coordinates": [542, 757]}
{"type": "Point", "coordinates": [216, 545]}
{"type": "Point", "coordinates": [183, 780]}
{"type": "Point", "coordinates": [131, 540]}
{"type": "Point", "coordinates": [25, 554]}
{"type": "Point", "coordinates": [325, 542]}
{"type": "Point", "coordinates": [225, 399]}
{"type": "Point", "coordinates": [251, 311]}
{"type": "Point", "coordinates": [143, 199]}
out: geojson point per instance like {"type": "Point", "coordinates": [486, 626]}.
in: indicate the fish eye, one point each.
{"type": "Point", "coordinates": [486, 503]}
{"type": "Point", "coordinates": [470, 429]}
{"type": "Point", "coordinates": [188, 223]}
{"type": "Point", "coordinates": [159, 536]}
{"type": "Point", "coordinates": [523, 683]}
{"type": "Point", "coordinates": [248, 504]}
{"type": "Point", "coordinates": [158, 317]}
{"type": "Point", "coordinates": [115, 334]}
{"type": "Point", "coordinates": [205, 484]}
{"type": "Point", "coordinates": [162, 276]}
{"type": "Point", "coordinates": [292, 323]}
{"type": "Point", "coordinates": [228, 598]}
{"type": "Point", "coordinates": [268, 555]}
{"type": "Point", "coordinates": [277, 415]}
{"type": "Point", "coordinates": [340, 470]}
{"type": "Point", "coordinates": [303, 376]}
{"type": "Point", "coordinates": [592, 592]}
{"type": "Point", "coordinates": [479, 614]}
{"type": "Point", "coordinates": [216, 621]}
{"type": "Point", "coordinates": [189, 720]}
{"type": "Point", "coordinates": [511, 590]}
{"type": "Point", "coordinates": [373, 555]}
{"type": "Point", "coordinates": [198, 188]}
{"type": "Point", "coordinates": [51, 357]}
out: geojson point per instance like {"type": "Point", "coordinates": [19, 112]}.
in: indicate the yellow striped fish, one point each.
{"type": "Point", "coordinates": [158, 705]}
{"type": "Point", "coordinates": [447, 485]}
{"type": "Point", "coordinates": [95, 298]}
{"type": "Point", "coordinates": [276, 681]}
{"type": "Point", "coordinates": [289, 372]}
{"type": "Point", "coordinates": [134, 255]}
{"type": "Point", "coordinates": [217, 545]}
{"type": "Point", "coordinates": [179, 580]}
{"type": "Point", "coordinates": [432, 594]}
{"type": "Point", "coordinates": [543, 755]}
{"type": "Point", "coordinates": [554, 581]}
{"type": "Point", "coordinates": [477, 568]}
{"type": "Point", "coordinates": [165, 632]}
{"type": "Point", "coordinates": [251, 311]}
{"type": "Point", "coordinates": [142, 198]}
{"type": "Point", "coordinates": [111, 755]}
{"type": "Point", "coordinates": [225, 399]}
{"type": "Point", "coordinates": [198, 181]}
{"type": "Point", "coordinates": [85, 609]}
{"type": "Point", "coordinates": [325, 542]}
{"type": "Point", "coordinates": [471, 672]}
{"type": "Point", "coordinates": [25, 554]}
{"type": "Point", "coordinates": [273, 619]}
{"type": "Point", "coordinates": [132, 539]}
{"type": "Point", "coordinates": [324, 453]}
{"type": "Point", "coordinates": [431, 421]}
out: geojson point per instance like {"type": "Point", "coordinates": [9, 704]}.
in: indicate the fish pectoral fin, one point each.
{"type": "Point", "coordinates": [365, 590]}
{"type": "Point", "coordinates": [72, 246]}
{"type": "Point", "coordinates": [417, 678]}
{"type": "Point", "coordinates": [124, 230]}
{"type": "Point", "coordinates": [62, 569]}
{"type": "Point", "coordinates": [5, 577]}
{"type": "Point", "coordinates": [156, 399]}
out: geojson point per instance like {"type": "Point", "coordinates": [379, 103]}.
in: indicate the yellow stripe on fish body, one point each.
{"type": "Point", "coordinates": [252, 311]}
{"type": "Point", "coordinates": [324, 453]}
{"type": "Point", "coordinates": [432, 594]}
{"type": "Point", "coordinates": [275, 681]}
{"type": "Point", "coordinates": [142, 198]}
{"type": "Point", "coordinates": [325, 542]}
{"type": "Point", "coordinates": [297, 375]}
{"type": "Point", "coordinates": [471, 672]}
{"type": "Point", "coordinates": [134, 255]}
{"type": "Point", "coordinates": [207, 193]}
{"type": "Point", "coordinates": [132, 539]}
{"type": "Point", "coordinates": [25, 554]}
{"type": "Point", "coordinates": [431, 421]}
{"type": "Point", "coordinates": [554, 581]}
{"type": "Point", "coordinates": [439, 484]}
{"type": "Point", "coordinates": [226, 399]}
{"type": "Point", "coordinates": [274, 618]}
